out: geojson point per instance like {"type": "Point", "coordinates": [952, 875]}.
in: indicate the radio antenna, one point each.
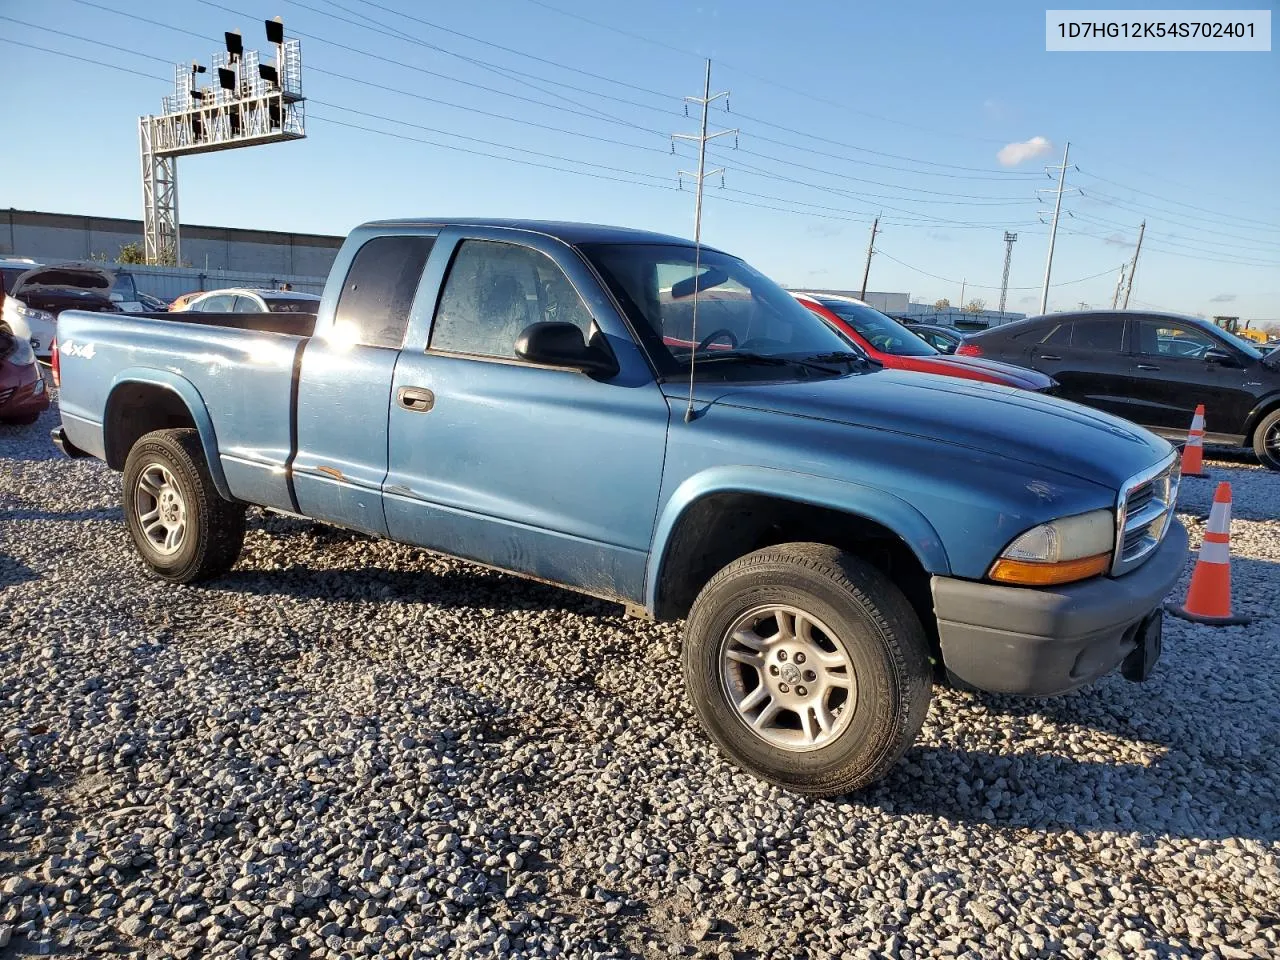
{"type": "Point", "coordinates": [701, 139]}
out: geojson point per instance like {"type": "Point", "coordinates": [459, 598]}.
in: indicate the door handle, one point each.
{"type": "Point", "coordinates": [417, 399]}
{"type": "Point", "coordinates": [1147, 366]}
{"type": "Point", "coordinates": [1048, 356]}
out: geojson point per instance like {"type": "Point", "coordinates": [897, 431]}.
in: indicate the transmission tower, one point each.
{"type": "Point", "coordinates": [701, 139]}
{"type": "Point", "coordinates": [254, 103]}
{"type": "Point", "coordinates": [1053, 230]}
{"type": "Point", "coordinates": [1009, 240]}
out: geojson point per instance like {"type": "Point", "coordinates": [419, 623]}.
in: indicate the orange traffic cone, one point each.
{"type": "Point", "coordinates": [1209, 597]}
{"type": "Point", "coordinates": [1193, 452]}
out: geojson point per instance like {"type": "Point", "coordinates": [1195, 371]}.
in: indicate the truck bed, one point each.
{"type": "Point", "coordinates": [293, 324]}
{"type": "Point", "coordinates": [233, 370]}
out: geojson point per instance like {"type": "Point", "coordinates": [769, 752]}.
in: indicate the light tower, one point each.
{"type": "Point", "coordinates": [1009, 240]}
{"type": "Point", "coordinates": [254, 103]}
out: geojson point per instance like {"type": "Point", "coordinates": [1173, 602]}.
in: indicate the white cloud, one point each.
{"type": "Point", "coordinates": [1222, 298]}
{"type": "Point", "coordinates": [1013, 154]}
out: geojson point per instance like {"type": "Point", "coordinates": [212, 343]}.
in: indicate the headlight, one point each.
{"type": "Point", "coordinates": [1061, 551]}
{"type": "Point", "coordinates": [27, 313]}
{"type": "Point", "coordinates": [19, 352]}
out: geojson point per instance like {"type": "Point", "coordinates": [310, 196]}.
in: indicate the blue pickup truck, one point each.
{"type": "Point", "coordinates": [622, 414]}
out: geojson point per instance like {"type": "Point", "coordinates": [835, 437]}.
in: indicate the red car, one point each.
{"type": "Point", "coordinates": [888, 341]}
{"type": "Point", "coordinates": [23, 395]}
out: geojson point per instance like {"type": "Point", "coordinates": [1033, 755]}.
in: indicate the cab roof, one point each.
{"type": "Point", "coordinates": [566, 231]}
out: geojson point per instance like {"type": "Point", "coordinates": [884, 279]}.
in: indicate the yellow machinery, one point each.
{"type": "Point", "coordinates": [1232, 326]}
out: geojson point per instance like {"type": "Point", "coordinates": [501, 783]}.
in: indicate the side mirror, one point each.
{"type": "Point", "coordinates": [1220, 357]}
{"type": "Point", "coordinates": [557, 344]}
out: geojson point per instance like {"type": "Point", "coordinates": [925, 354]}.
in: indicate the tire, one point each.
{"type": "Point", "coordinates": [855, 615]}
{"type": "Point", "coordinates": [180, 525]}
{"type": "Point", "coordinates": [1266, 440]}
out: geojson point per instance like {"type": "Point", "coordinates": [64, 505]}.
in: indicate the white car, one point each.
{"type": "Point", "coordinates": [39, 294]}
{"type": "Point", "coordinates": [245, 300]}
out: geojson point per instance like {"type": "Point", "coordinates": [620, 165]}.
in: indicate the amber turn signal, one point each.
{"type": "Point", "coordinates": [1028, 573]}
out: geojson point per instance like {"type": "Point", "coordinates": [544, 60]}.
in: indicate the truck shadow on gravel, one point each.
{"type": "Point", "coordinates": [1062, 794]}
{"type": "Point", "coordinates": [13, 571]}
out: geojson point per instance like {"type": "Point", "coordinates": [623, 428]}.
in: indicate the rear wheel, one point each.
{"type": "Point", "coordinates": [807, 667]}
{"type": "Point", "coordinates": [1266, 440]}
{"type": "Point", "coordinates": [181, 526]}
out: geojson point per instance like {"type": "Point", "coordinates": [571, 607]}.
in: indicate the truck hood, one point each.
{"type": "Point", "coordinates": [74, 276]}
{"type": "Point", "coordinates": [1043, 431]}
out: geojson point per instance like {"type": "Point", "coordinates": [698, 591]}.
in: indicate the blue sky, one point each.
{"type": "Point", "coordinates": [845, 110]}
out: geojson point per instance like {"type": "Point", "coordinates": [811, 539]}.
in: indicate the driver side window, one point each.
{"type": "Point", "coordinates": [494, 290]}
{"type": "Point", "coordinates": [1174, 340]}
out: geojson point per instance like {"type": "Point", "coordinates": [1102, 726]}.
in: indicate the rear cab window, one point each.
{"type": "Point", "coordinates": [373, 308]}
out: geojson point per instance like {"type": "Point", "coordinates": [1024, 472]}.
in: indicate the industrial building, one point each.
{"type": "Point", "coordinates": [49, 237]}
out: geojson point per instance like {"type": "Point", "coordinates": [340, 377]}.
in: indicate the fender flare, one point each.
{"type": "Point", "coordinates": [190, 396]}
{"type": "Point", "coordinates": [871, 503]}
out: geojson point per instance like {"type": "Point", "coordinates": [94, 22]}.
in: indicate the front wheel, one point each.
{"type": "Point", "coordinates": [1266, 440]}
{"type": "Point", "coordinates": [807, 667]}
{"type": "Point", "coordinates": [181, 526]}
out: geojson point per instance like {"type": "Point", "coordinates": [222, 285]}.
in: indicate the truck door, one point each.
{"type": "Point", "coordinates": [540, 470]}
{"type": "Point", "coordinates": [344, 386]}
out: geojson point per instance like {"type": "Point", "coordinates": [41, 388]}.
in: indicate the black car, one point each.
{"type": "Point", "coordinates": [1151, 368]}
{"type": "Point", "coordinates": [943, 339]}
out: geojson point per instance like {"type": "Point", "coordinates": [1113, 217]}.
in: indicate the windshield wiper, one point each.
{"type": "Point", "coordinates": [765, 359]}
{"type": "Point", "coordinates": [843, 356]}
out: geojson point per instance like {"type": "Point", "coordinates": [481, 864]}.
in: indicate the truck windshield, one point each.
{"type": "Point", "coordinates": [740, 310]}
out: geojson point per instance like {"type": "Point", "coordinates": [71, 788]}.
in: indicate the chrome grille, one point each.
{"type": "Point", "coordinates": [1143, 511]}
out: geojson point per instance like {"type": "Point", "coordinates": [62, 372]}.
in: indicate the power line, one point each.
{"type": "Point", "coordinates": [773, 83]}
{"type": "Point", "coordinates": [1179, 203]}
{"type": "Point", "coordinates": [985, 286]}
{"type": "Point", "coordinates": [912, 215]}
{"type": "Point", "coordinates": [1173, 253]}
{"type": "Point", "coordinates": [1173, 239]}
{"type": "Point", "coordinates": [592, 115]}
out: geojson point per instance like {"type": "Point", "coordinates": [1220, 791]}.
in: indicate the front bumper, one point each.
{"type": "Point", "coordinates": [1042, 642]}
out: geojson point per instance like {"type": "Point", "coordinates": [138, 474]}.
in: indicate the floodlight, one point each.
{"type": "Point", "coordinates": [197, 68]}
{"type": "Point", "coordinates": [235, 45]}
{"type": "Point", "coordinates": [226, 78]}
{"type": "Point", "coordinates": [268, 73]}
{"type": "Point", "coordinates": [275, 30]}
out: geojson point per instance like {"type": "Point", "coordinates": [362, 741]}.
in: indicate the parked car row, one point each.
{"type": "Point", "coordinates": [23, 396]}
{"type": "Point", "coordinates": [1153, 369]}
{"type": "Point", "coordinates": [893, 345]}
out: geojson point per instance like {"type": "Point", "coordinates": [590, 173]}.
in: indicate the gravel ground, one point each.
{"type": "Point", "coordinates": [352, 748]}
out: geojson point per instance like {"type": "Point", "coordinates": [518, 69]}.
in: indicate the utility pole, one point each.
{"type": "Point", "coordinates": [871, 248]}
{"type": "Point", "coordinates": [701, 139]}
{"type": "Point", "coordinates": [1009, 240]}
{"type": "Point", "coordinates": [1115, 297]}
{"type": "Point", "coordinates": [963, 283]}
{"type": "Point", "coordinates": [1053, 230]}
{"type": "Point", "coordinates": [1134, 267]}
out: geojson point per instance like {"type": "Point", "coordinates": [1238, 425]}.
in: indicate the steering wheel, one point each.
{"type": "Point", "coordinates": [715, 335]}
